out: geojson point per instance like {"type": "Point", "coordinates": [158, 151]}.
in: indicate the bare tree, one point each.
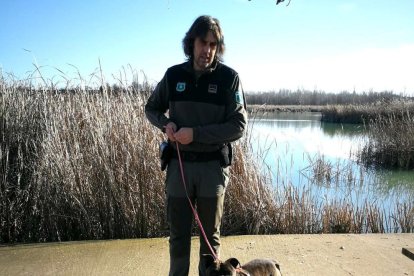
{"type": "Point", "coordinates": [280, 1]}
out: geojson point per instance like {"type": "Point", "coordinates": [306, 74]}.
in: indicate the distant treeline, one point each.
{"type": "Point", "coordinates": [305, 97]}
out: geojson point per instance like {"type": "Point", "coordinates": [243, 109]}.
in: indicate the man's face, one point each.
{"type": "Point", "coordinates": [204, 51]}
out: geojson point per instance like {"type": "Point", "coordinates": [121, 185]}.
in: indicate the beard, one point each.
{"type": "Point", "coordinates": [203, 62]}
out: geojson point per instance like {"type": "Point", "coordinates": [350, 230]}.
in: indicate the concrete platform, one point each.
{"type": "Point", "coordinates": [372, 254]}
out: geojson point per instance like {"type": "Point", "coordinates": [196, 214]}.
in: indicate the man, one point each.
{"type": "Point", "coordinates": [206, 112]}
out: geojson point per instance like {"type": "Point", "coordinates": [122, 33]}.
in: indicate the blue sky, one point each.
{"type": "Point", "coordinates": [325, 45]}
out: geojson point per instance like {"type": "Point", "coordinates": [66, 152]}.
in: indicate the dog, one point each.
{"type": "Point", "coordinates": [232, 267]}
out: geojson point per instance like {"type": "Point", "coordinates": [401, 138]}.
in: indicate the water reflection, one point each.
{"type": "Point", "coordinates": [289, 123]}
{"type": "Point", "coordinates": [343, 130]}
{"type": "Point", "coordinates": [292, 144]}
{"type": "Point", "coordinates": [290, 116]}
{"type": "Point", "coordinates": [395, 180]}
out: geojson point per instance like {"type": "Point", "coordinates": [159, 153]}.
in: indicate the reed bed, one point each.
{"type": "Point", "coordinates": [391, 138]}
{"type": "Point", "coordinates": [360, 114]}
{"type": "Point", "coordinates": [77, 166]}
{"type": "Point", "coordinates": [358, 209]}
{"type": "Point", "coordinates": [84, 165]}
{"type": "Point", "coordinates": [346, 114]}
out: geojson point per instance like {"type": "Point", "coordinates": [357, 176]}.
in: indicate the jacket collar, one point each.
{"type": "Point", "coordinates": [188, 66]}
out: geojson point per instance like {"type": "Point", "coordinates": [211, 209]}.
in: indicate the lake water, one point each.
{"type": "Point", "coordinates": [292, 144]}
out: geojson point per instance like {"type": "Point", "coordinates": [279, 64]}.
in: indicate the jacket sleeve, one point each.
{"type": "Point", "coordinates": [235, 121]}
{"type": "Point", "coordinates": [158, 104]}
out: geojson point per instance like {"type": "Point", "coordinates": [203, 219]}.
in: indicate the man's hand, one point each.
{"type": "Point", "coordinates": [184, 135]}
{"type": "Point", "coordinates": [170, 129]}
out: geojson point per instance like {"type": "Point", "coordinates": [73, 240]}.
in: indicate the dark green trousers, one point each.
{"type": "Point", "coordinates": [206, 183]}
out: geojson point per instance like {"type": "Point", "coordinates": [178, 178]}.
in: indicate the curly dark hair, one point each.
{"type": "Point", "coordinates": [201, 26]}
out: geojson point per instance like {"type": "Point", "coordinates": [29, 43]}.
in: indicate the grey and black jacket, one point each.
{"type": "Point", "coordinates": [212, 104]}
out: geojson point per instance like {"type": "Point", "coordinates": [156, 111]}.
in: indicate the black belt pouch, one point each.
{"type": "Point", "coordinates": [165, 154]}
{"type": "Point", "coordinates": [226, 155]}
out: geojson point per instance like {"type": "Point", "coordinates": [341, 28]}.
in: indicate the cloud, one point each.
{"type": "Point", "coordinates": [367, 69]}
{"type": "Point", "coordinates": [374, 68]}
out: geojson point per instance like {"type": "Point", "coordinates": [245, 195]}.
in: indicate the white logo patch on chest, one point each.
{"type": "Point", "coordinates": [212, 88]}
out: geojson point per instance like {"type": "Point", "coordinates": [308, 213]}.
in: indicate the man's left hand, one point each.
{"type": "Point", "coordinates": [184, 135]}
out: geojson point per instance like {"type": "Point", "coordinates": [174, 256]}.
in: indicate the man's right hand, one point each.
{"type": "Point", "coordinates": [170, 129]}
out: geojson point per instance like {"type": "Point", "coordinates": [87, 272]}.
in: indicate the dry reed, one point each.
{"type": "Point", "coordinates": [83, 164]}
{"type": "Point", "coordinates": [391, 138]}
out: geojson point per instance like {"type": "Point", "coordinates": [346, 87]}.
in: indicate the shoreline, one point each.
{"type": "Point", "coordinates": [285, 108]}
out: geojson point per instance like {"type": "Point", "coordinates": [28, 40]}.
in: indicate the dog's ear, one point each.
{"type": "Point", "coordinates": [277, 264]}
{"type": "Point", "coordinates": [208, 260]}
{"type": "Point", "coordinates": [234, 262]}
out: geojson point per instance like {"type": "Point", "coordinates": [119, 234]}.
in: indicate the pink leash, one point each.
{"type": "Point", "coordinates": [192, 207]}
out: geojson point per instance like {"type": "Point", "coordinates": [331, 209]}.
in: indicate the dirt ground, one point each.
{"type": "Point", "coordinates": [371, 254]}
